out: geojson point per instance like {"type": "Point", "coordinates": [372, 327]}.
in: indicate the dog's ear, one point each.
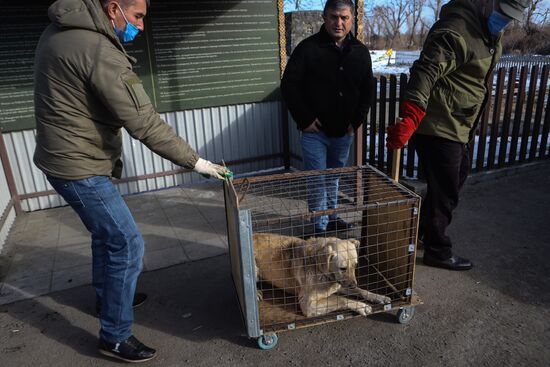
{"type": "Point", "coordinates": [355, 242]}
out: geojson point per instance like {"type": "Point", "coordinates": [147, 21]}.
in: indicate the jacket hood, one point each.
{"type": "Point", "coordinates": [83, 14]}
{"type": "Point", "coordinates": [469, 11]}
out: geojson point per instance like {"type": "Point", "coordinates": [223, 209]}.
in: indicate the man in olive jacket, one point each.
{"type": "Point", "coordinates": [446, 95]}
{"type": "Point", "coordinates": [85, 93]}
{"type": "Point", "coordinates": [327, 86]}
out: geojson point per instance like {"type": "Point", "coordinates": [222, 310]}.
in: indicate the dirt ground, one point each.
{"type": "Point", "coordinates": [497, 314]}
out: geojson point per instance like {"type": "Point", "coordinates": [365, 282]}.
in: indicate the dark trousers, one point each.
{"type": "Point", "coordinates": [445, 164]}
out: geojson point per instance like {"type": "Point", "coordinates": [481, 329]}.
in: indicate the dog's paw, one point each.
{"type": "Point", "coordinates": [382, 299]}
{"type": "Point", "coordinates": [363, 309]}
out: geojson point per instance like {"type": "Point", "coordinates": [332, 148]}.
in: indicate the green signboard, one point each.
{"type": "Point", "coordinates": [20, 28]}
{"type": "Point", "coordinates": [192, 54]}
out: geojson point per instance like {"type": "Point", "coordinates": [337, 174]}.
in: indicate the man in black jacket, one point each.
{"type": "Point", "coordinates": [327, 86]}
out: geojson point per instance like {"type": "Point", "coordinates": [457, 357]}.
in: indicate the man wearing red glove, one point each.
{"type": "Point", "coordinates": [446, 95]}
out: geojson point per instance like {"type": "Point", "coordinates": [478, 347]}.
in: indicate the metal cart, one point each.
{"type": "Point", "coordinates": [385, 215]}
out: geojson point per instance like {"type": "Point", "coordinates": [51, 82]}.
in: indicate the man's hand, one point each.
{"type": "Point", "coordinates": [209, 169]}
{"type": "Point", "coordinates": [400, 133]}
{"type": "Point", "coordinates": [315, 127]}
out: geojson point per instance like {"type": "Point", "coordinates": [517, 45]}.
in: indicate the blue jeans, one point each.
{"type": "Point", "coordinates": [117, 249]}
{"type": "Point", "coordinates": [320, 152]}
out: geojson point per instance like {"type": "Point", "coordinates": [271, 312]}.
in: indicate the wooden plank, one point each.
{"type": "Point", "coordinates": [382, 124]}
{"type": "Point", "coordinates": [545, 130]}
{"type": "Point", "coordinates": [520, 99]}
{"type": "Point", "coordinates": [396, 165]}
{"type": "Point", "coordinates": [286, 134]}
{"type": "Point", "coordinates": [507, 117]}
{"type": "Point", "coordinates": [529, 114]}
{"type": "Point", "coordinates": [483, 127]}
{"type": "Point", "coordinates": [409, 164]}
{"type": "Point", "coordinates": [359, 139]}
{"type": "Point", "coordinates": [391, 115]}
{"type": "Point", "coordinates": [538, 114]}
{"type": "Point", "coordinates": [496, 118]}
{"type": "Point", "coordinates": [389, 260]}
{"type": "Point", "coordinates": [373, 125]}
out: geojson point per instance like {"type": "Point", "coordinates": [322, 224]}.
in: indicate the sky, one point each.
{"type": "Point", "coordinates": [290, 5]}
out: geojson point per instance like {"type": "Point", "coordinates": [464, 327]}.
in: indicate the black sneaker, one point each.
{"type": "Point", "coordinates": [131, 350]}
{"type": "Point", "coordinates": [339, 225]}
{"type": "Point", "coordinates": [139, 299]}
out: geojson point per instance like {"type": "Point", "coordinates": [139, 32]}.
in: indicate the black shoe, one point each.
{"type": "Point", "coordinates": [452, 263]}
{"type": "Point", "coordinates": [130, 350]}
{"type": "Point", "coordinates": [339, 225]}
{"type": "Point", "coordinates": [139, 299]}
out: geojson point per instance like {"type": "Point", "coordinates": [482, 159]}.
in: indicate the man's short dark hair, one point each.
{"type": "Point", "coordinates": [123, 3]}
{"type": "Point", "coordinates": [339, 4]}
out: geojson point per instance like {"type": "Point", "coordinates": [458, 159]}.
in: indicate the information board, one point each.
{"type": "Point", "coordinates": [192, 54]}
{"type": "Point", "coordinates": [20, 28]}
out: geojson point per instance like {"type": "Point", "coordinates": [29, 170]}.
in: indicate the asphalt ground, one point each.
{"type": "Point", "coordinates": [496, 314]}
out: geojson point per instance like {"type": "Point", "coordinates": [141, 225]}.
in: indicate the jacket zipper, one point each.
{"type": "Point", "coordinates": [488, 93]}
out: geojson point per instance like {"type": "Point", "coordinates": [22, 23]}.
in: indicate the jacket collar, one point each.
{"type": "Point", "coordinates": [470, 12]}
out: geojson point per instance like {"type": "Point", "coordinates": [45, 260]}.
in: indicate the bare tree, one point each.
{"type": "Point", "coordinates": [373, 25]}
{"type": "Point", "coordinates": [394, 16]}
{"type": "Point", "coordinates": [435, 6]}
{"type": "Point", "coordinates": [415, 15]}
{"type": "Point", "coordinates": [535, 11]}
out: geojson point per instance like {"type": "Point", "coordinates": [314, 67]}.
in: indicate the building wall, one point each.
{"type": "Point", "coordinates": [228, 133]}
{"type": "Point", "coordinates": [300, 25]}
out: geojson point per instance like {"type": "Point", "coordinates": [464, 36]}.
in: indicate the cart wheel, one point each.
{"type": "Point", "coordinates": [267, 341]}
{"type": "Point", "coordinates": [405, 315]}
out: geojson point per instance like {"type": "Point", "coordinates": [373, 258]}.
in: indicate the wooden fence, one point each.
{"type": "Point", "coordinates": [508, 61]}
{"type": "Point", "coordinates": [513, 129]}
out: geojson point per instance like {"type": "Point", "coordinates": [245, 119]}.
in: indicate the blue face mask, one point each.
{"type": "Point", "coordinates": [129, 33]}
{"type": "Point", "coordinates": [497, 22]}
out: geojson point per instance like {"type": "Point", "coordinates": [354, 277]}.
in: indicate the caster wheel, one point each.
{"type": "Point", "coordinates": [268, 341]}
{"type": "Point", "coordinates": [405, 315]}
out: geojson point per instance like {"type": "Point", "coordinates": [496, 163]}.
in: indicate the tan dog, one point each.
{"type": "Point", "coordinates": [320, 271]}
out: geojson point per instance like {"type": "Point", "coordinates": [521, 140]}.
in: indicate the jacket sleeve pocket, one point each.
{"type": "Point", "coordinates": [137, 92]}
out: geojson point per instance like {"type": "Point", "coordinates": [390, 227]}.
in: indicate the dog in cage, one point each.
{"type": "Point", "coordinates": [320, 271]}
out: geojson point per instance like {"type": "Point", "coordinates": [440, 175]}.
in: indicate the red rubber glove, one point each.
{"type": "Point", "coordinates": [400, 133]}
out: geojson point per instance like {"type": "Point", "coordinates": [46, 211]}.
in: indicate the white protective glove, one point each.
{"type": "Point", "coordinates": [209, 169]}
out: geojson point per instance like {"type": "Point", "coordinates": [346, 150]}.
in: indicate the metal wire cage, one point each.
{"type": "Point", "coordinates": [291, 271]}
